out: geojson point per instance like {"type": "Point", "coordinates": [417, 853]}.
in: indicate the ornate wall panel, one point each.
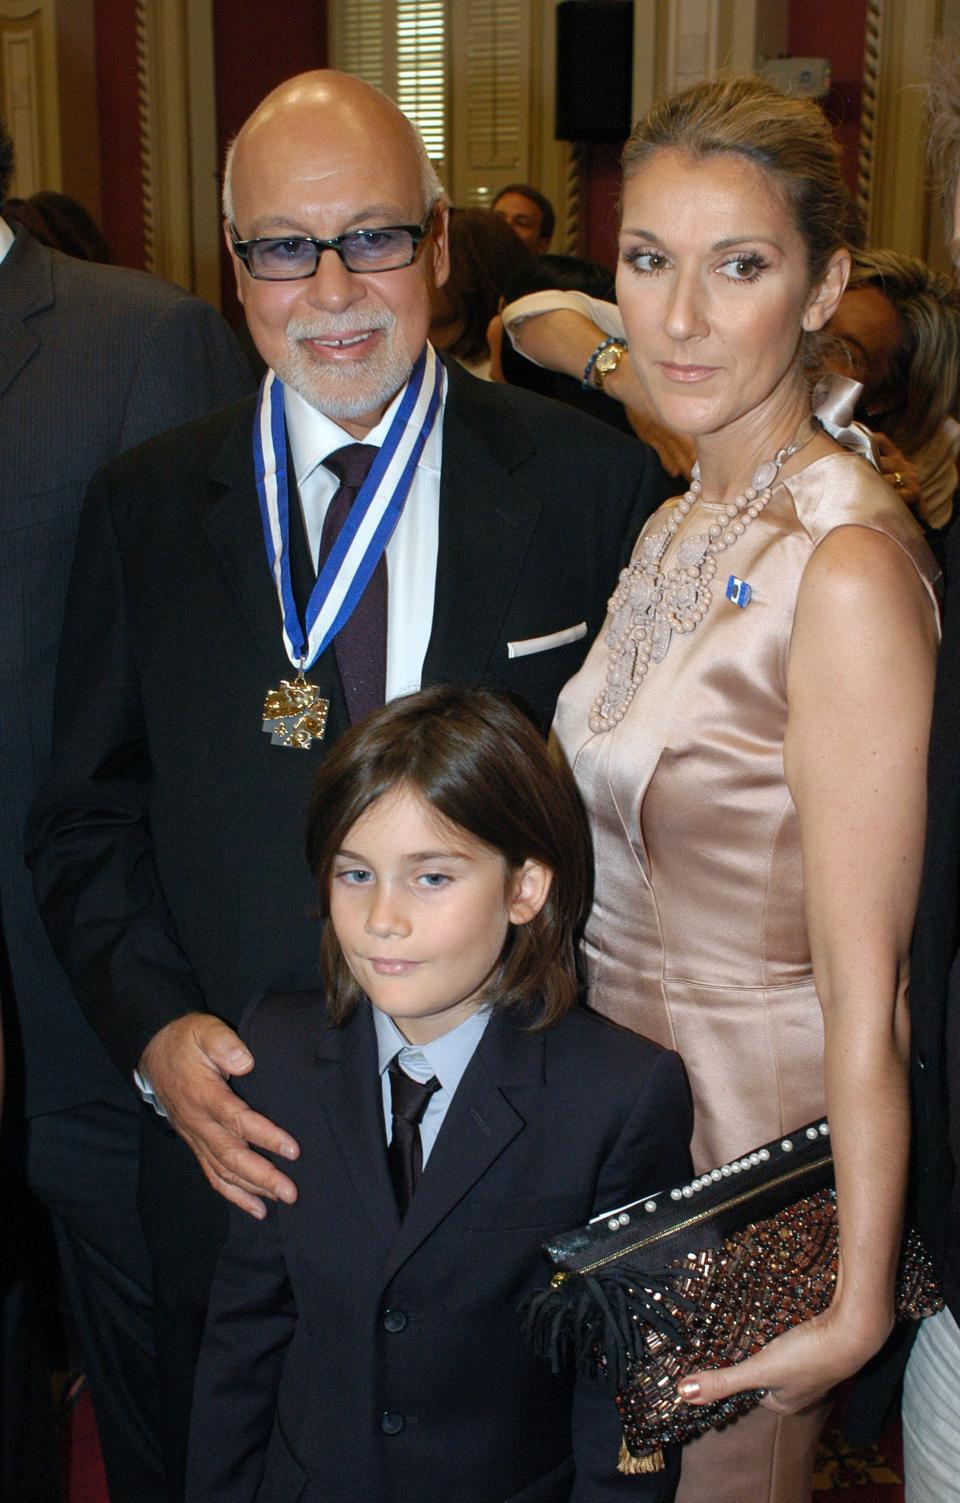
{"type": "Point", "coordinates": [175, 80]}
{"type": "Point", "coordinates": [677, 42]}
{"type": "Point", "coordinates": [28, 92]}
{"type": "Point", "coordinates": [892, 186]}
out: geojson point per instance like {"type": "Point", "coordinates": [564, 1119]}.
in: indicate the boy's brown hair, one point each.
{"type": "Point", "coordinates": [479, 763]}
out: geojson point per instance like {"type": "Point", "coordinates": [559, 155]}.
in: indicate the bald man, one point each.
{"type": "Point", "coordinates": [206, 665]}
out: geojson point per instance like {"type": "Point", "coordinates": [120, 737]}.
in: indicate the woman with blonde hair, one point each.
{"type": "Point", "coordinates": [749, 731]}
{"type": "Point", "coordinates": [898, 332]}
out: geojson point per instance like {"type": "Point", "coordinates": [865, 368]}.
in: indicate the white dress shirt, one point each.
{"type": "Point", "coordinates": [6, 238]}
{"type": "Point", "coordinates": [446, 1057]}
{"type": "Point", "coordinates": [411, 551]}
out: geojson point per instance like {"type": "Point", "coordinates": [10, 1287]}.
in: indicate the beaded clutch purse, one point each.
{"type": "Point", "coordinates": [701, 1277]}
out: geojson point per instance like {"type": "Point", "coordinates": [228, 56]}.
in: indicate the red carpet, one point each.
{"type": "Point", "coordinates": [843, 1476]}
{"type": "Point", "coordinates": [81, 1468]}
{"type": "Point", "coordinates": [870, 1476]}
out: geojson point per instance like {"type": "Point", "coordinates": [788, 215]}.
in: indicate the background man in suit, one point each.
{"type": "Point", "coordinates": [93, 359]}
{"type": "Point", "coordinates": [166, 845]}
{"type": "Point", "coordinates": [931, 1406]}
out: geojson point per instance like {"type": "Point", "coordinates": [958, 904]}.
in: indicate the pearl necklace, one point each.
{"type": "Point", "coordinates": [650, 603]}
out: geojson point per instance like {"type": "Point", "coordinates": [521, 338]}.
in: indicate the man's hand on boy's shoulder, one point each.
{"type": "Point", "coordinates": [188, 1064]}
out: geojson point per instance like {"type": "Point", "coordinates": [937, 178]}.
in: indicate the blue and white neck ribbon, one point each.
{"type": "Point", "coordinates": [372, 518]}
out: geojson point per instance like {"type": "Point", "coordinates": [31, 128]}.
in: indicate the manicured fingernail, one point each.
{"type": "Point", "coordinates": [689, 1389]}
{"type": "Point", "coordinates": [239, 1057]}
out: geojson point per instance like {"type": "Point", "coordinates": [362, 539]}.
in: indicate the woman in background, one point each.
{"type": "Point", "coordinates": [485, 254]}
{"type": "Point", "coordinates": [898, 332]}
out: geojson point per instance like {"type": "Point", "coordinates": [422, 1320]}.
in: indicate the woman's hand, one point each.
{"type": "Point", "coordinates": [495, 345]}
{"type": "Point", "coordinates": [897, 470]}
{"type": "Point", "coordinates": [674, 450]}
{"type": "Point", "coordinates": [796, 1369]}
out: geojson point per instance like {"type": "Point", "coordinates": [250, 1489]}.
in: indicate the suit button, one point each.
{"type": "Point", "coordinates": [392, 1423]}
{"type": "Point", "coordinates": [394, 1320]}
{"type": "Point", "coordinates": [921, 1064]}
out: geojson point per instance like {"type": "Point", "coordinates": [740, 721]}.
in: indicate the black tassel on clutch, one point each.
{"type": "Point", "coordinates": [700, 1277]}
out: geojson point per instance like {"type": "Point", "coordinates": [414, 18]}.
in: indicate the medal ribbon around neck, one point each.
{"type": "Point", "coordinates": [372, 517]}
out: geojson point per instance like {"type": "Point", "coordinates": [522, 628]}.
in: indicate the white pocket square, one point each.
{"type": "Point", "coordinates": [528, 645]}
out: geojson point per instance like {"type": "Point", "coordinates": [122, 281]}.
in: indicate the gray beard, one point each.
{"type": "Point", "coordinates": [347, 391]}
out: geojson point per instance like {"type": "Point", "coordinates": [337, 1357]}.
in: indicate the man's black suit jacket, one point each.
{"type": "Point", "coordinates": [167, 843]}
{"type": "Point", "coordinates": [351, 1356]}
{"type": "Point", "coordinates": [934, 1199]}
{"type": "Point", "coordinates": [93, 359]}
{"type": "Point", "coordinates": [935, 966]}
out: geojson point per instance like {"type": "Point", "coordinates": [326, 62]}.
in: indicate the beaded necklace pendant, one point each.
{"type": "Point", "coordinates": [650, 602]}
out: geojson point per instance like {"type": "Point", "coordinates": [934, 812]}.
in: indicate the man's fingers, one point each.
{"type": "Point", "coordinates": [235, 1194]}
{"type": "Point", "coordinates": [263, 1133]}
{"type": "Point", "coordinates": [217, 1126]}
{"type": "Point", "coordinates": [227, 1160]}
{"type": "Point", "coordinates": [239, 1165]}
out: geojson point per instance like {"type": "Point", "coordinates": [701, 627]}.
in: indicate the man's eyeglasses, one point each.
{"type": "Point", "coordinates": [293, 257]}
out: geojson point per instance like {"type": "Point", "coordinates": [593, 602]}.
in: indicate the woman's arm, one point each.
{"type": "Point", "coordinates": [564, 338]}
{"type": "Point", "coordinates": [859, 686]}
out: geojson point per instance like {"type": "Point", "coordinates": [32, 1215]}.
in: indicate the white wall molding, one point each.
{"type": "Point", "coordinates": [28, 92]}
{"type": "Point", "coordinates": [175, 82]}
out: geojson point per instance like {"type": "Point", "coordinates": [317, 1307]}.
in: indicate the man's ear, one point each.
{"type": "Point", "coordinates": [529, 887]}
{"type": "Point", "coordinates": [440, 241]}
{"type": "Point", "coordinates": [828, 292]}
{"type": "Point", "coordinates": [234, 261]}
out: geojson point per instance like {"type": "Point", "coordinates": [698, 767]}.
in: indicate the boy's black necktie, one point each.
{"type": "Point", "coordinates": [405, 1154]}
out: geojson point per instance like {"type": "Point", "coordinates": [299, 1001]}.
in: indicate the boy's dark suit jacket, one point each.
{"type": "Point", "coordinates": [349, 1356]}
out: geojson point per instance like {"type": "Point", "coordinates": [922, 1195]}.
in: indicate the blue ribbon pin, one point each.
{"type": "Point", "coordinates": [738, 591]}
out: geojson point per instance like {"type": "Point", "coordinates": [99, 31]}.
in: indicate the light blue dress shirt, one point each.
{"type": "Point", "coordinates": [446, 1057]}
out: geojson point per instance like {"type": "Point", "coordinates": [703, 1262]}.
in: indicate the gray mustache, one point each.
{"type": "Point", "coordinates": [357, 324]}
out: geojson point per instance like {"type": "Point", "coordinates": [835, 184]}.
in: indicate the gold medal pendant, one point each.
{"type": "Point", "coordinates": [295, 714]}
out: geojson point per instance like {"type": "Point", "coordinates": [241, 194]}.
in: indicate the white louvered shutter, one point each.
{"type": "Point", "coordinates": [400, 46]}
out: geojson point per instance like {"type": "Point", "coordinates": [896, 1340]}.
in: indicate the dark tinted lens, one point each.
{"type": "Point", "coordinates": [282, 258]}
{"type": "Point", "coordinates": [378, 249]}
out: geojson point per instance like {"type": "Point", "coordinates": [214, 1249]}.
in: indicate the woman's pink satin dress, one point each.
{"type": "Point", "coordinates": [697, 936]}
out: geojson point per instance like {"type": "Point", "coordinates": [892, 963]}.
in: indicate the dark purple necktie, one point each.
{"type": "Point", "coordinates": [408, 1099]}
{"type": "Point", "coordinates": [361, 643]}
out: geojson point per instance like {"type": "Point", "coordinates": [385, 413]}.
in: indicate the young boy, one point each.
{"type": "Point", "coordinates": [363, 1344]}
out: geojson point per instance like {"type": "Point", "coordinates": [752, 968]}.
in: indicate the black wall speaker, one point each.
{"type": "Point", "coordinates": [594, 70]}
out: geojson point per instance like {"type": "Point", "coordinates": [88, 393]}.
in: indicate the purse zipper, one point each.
{"type": "Point", "coordinates": [726, 1205]}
